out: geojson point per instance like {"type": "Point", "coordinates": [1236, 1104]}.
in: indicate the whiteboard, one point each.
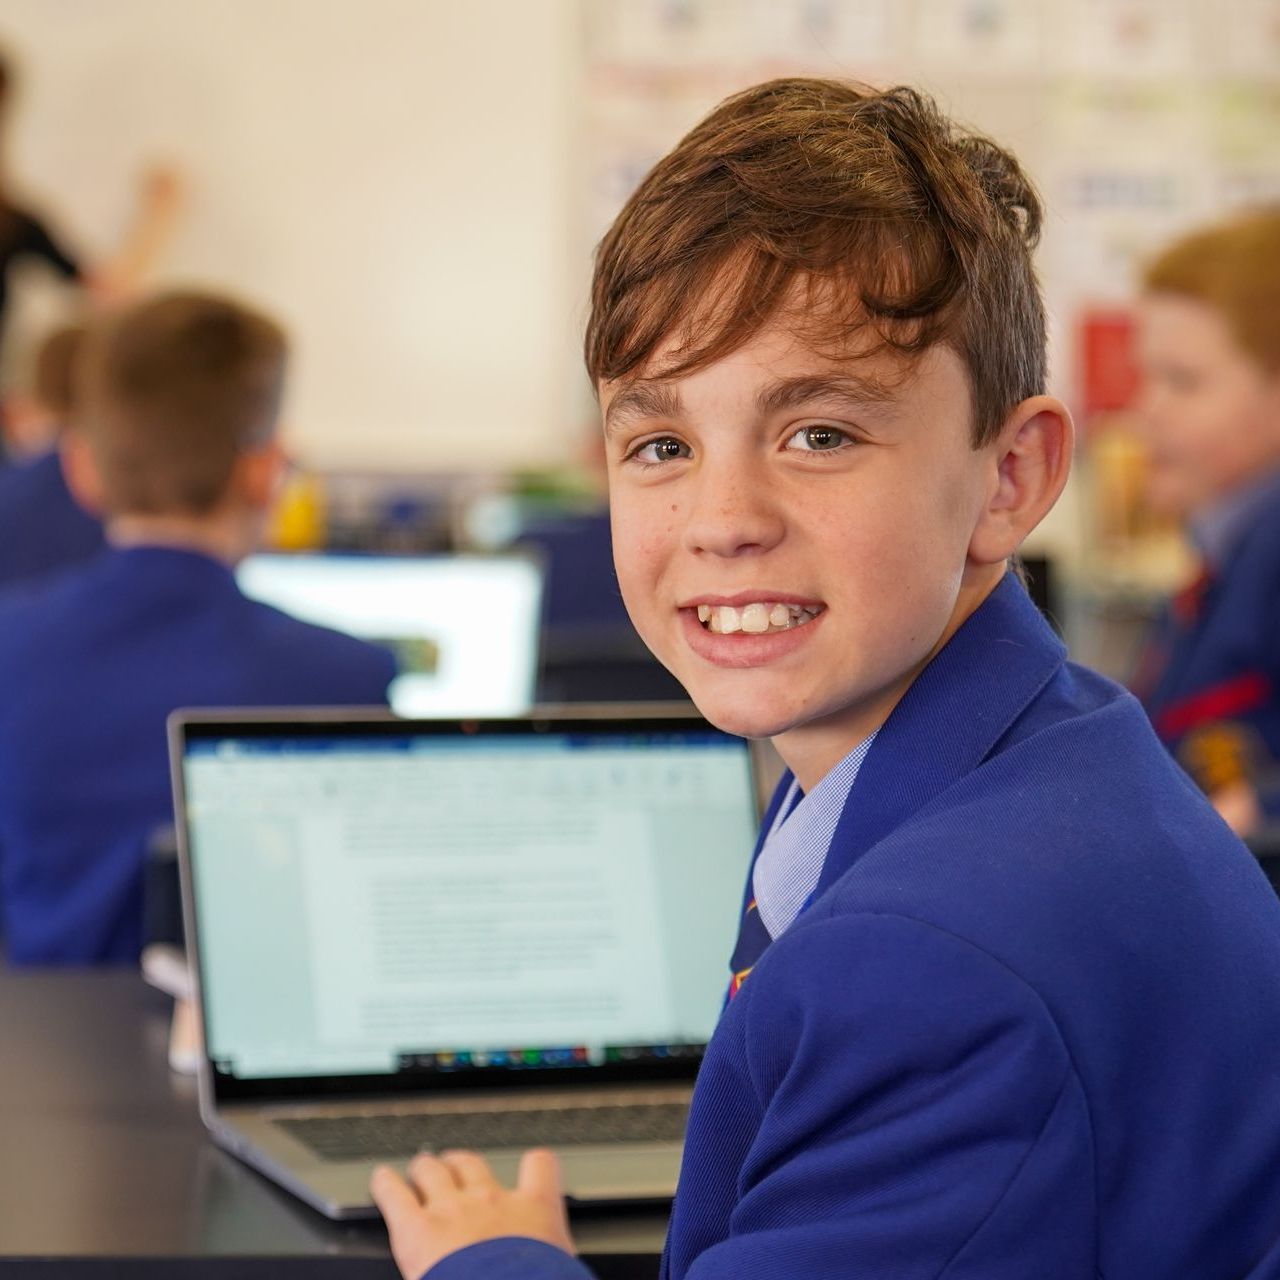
{"type": "Point", "coordinates": [393, 179]}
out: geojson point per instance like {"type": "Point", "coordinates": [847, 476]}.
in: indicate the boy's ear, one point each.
{"type": "Point", "coordinates": [1030, 462]}
{"type": "Point", "coordinates": [260, 472]}
{"type": "Point", "coordinates": [80, 471]}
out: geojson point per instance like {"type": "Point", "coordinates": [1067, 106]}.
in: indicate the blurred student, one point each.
{"type": "Point", "coordinates": [1210, 674]}
{"type": "Point", "coordinates": [42, 527]}
{"type": "Point", "coordinates": [26, 236]}
{"type": "Point", "coordinates": [175, 444]}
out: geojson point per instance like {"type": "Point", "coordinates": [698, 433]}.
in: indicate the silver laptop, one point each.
{"type": "Point", "coordinates": [464, 628]}
{"type": "Point", "coordinates": [491, 934]}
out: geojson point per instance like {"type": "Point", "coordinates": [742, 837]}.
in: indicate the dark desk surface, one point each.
{"type": "Point", "coordinates": [105, 1167]}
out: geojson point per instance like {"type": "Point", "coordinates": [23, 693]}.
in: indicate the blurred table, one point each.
{"type": "Point", "coordinates": [106, 1170]}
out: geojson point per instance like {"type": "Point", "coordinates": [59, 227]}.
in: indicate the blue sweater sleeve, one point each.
{"type": "Point", "coordinates": [509, 1258]}
{"type": "Point", "coordinates": [887, 1101]}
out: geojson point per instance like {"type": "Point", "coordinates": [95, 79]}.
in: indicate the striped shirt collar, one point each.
{"type": "Point", "coordinates": [791, 858]}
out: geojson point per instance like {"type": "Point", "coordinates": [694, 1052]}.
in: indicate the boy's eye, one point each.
{"type": "Point", "coordinates": [664, 449]}
{"type": "Point", "coordinates": [818, 439]}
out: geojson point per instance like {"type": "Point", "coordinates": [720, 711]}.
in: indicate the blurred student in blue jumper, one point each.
{"type": "Point", "coordinates": [42, 527]}
{"type": "Point", "coordinates": [1210, 416]}
{"type": "Point", "coordinates": [1006, 998]}
{"type": "Point", "coordinates": [174, 442]}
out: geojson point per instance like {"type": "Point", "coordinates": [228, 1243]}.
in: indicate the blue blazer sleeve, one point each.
{"type": "Point", "coordinates": [510, 1258]}
{"type": "Point", "coordinates": [883, 1098]}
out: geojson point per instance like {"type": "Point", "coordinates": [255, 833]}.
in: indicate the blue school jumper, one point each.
{"type": "Point", "coordinates": [1029, 1026]}
{"type": "Point", "coordinates": [1210, 676]}
{"type": "Point", "coordinates": [42, 529]}
{"type": "Point", "coordinates": [90, 666]}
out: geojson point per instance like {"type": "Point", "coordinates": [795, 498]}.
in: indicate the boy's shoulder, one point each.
{"type": "Point", "coordinates": [105, 606]}
{"type": "Point", "coordinates": [1077, 834]}
{"type": "Point", "coordinates": [1011, 793]}
{"type": "Point", "coordinates": [55, 624]}
{"type": "Point", "coordinates": [310, 641]}
{"type": "Point", "coordinates": [26, 604]}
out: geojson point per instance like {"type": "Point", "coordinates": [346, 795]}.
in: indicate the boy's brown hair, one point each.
{"type": "Point", "coordinates": [170, 391]}
{"type": "Point", "coordinates": [53, 379]}
{"type": "Point", "coordinates": [889, 219]}
{"type": "Point", "coordinates": [1234, 267]}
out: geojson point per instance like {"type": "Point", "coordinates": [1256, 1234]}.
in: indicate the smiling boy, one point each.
{"type": "Point", "coordinates": [1006, 997]}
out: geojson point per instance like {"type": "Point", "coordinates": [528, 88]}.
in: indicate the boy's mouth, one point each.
{"type": "Point", "coordinates": [760, 617]}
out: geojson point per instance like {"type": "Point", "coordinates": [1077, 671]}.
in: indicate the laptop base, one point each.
{"type": "Point", "coordinates": [597, 1176]}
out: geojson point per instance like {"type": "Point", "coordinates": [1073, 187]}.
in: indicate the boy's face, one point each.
{"type": "Point", "coordinates": [819, 511]}
{"type": "Point", "coordinates": [1209, 414]}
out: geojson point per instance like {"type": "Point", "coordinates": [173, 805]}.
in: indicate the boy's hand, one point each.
{"type": "Point", "coordinates": [453, 1200]}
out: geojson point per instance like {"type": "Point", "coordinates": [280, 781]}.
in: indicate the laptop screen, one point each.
{"type": "Point", "coordinates": [397, 900]}
{"type": "Point", "coordinates": [464, 629]}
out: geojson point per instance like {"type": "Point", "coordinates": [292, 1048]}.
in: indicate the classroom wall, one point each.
{"type": "Point", "coordinates": [394, 178]}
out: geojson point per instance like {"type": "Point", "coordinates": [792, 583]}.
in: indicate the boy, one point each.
{"type": "Point", "coordinates": [1210, 675]}
{"type": "Point", "coordinates": [1006, 1000]}
{"type": "Point", "coordinates": [42, 527]}
{"type": "Point", "coordinates": [174, 442]}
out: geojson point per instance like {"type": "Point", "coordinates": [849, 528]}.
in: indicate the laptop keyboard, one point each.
{"type": "Point", "coordinates": [399, 1136]}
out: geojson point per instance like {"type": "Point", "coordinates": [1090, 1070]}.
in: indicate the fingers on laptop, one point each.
{"type": "Point", "coordinates": [539, 1180]}
{"type": "Point", "coordinates": [401, 1205]}
{"type": "Point", "coordinates": [470, 1171]}
{"type": "Point", "coordinates": [395, 1198]}
{"type": "Point", "coordinates": [540, 1175]}
{"type": "Point", "coordinates": [431, 1177]}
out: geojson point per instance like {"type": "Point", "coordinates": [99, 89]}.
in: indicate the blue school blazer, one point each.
{"type": "Point", "coordinates": [42, 530]}
{"type": "Point", "coordinates": [1029, 1027]}
{"type": "Point", "coordinates": [1213, 660]}
{"type": "Point", "coordinates": [91, 663]}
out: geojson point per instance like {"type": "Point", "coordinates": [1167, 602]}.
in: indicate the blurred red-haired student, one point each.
{"type": "Point", "coordinates": [1210, 674]}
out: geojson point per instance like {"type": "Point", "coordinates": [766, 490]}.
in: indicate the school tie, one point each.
{"type": "Point", "coordinates": [753, 938]}
{"type": "Point", "coordinates": [753, 935]}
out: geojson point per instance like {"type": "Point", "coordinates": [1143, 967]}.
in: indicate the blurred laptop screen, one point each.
{"type": "Point", "coordinates": [464, 629]}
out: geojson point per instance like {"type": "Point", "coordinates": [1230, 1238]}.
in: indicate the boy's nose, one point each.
{"type": "Point", "coordinates": [732, 513]}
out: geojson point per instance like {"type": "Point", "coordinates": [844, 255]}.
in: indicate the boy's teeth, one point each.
{"type": "Point", "coordinates": [755, 618]}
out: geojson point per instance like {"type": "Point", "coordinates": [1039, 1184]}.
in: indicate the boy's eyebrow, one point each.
{"type": "Point", "coordinates": [790, 393]}
{"type": "Point", "coordinates": [643, 400]}
{"type": "Point", "coordinates": [661, 400]}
